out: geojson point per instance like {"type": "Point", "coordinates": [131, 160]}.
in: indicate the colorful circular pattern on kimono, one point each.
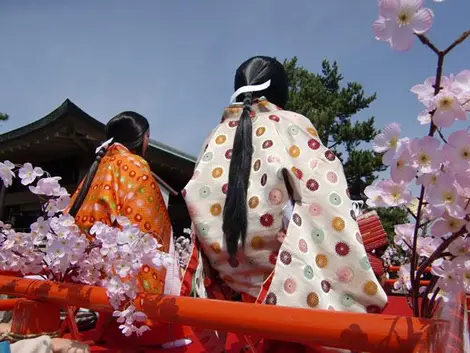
{"type": "Point", "coordinates": [285, 257]}
{"type": "Point", "coordinates": [204, 192]}
{"type": "Point", "coordinates": [273, 258]}
{"type": "Point", "coordinates": [107, 187]}
{"type": "Point", "coordinates": [203, 229]}
{"type": "Point", "coordinates": [342, 249]}
{"type": "Point", "coordinates": [290, 286]}
{"type": "Point", "coordinates": [154, 275]}
{"type": "Point", "coordinates": [147, 226]}
{"type": "Point", "coordinates": [335, 199]}
{"type": "Point", "coordinates": [274, 118]}
{"type": "Point", "coordinates": [365, 264]}
{"type": "Point", "coordinates": [312, 131]}
{"type": "Point", "coordinates": [145, 268]}
{"type": "Point", "coordinates": [315, 210]}
{"type": "Point", "coordinates": [217, 172]}
{"type": "Point", "coordinates": [132, 173]}
{"type": "Point", "coordinates": [330, 155]}
{"type": "Point", "coordinates": [225, 188]}
{"type": "Point", "coordinates": [137, 217]}
{"type": "Point", "coordinates": [253, 202]}
{"type": "Point", "coordinates": [321, 260]}
{"type": "Point", "coordinates": [338, 224]}
{"type": "Point", "coordinates": [332, 177]}
{"type": "Point", "coordinates": [297, 219]}
{"type": "Point", "coordinates": [125, 167]}
{"type": "Point", "coordinates": [294, 151]}
{"type": "Point", "coordinates": [370, 288]}
{"type": "Point", "coordinates": [266, 220]}
{"type": "Point", "coordinates": [313, 300]}
{"type": "Point", "coordinates": [325, 286]}
{"type": "Point", "coordinates": [293, 130]}
{"type": "Point", "coordinates": [220, 139]}
{"type": "Point", "coordinates": [345, 274]}
{"type": "Point", "coordinates": [215, 247]}
{"type": "Point", "coordinates": [312, 185]}
{"type": "Point", "coordinates": [317, 235]}
{"type": "Point", "coordinates": [216, 209]}
{"type": "Point", "coordinates": [257, 243]}
{"type": "Point", "coordinates": [359, 238]}
{"type": "Point", "coordinates": [275, 197]}
{"type": "Point", "coordinates": [233, 123]}
{"type": "Point", "coordinates": [264, 179]}
{"type": "Point", "coordinates": [273, 159]}
{"type": "Point", "coordinates": [373, 309]}
{"type": "Point", "coordinates": [346, 300]}
{"type": "Point", "coordinates": [297, 172]}
{"type": "Point", "coordinates": [260, 131]}
{"type": "Point", "coordinates": [207, 157]}
{"type": "Point", "coordinates": [271, 299]}
{"type": "Point", "coordinates": [128, 210]}
{"type": "Point", "coordinates": [303, 247]}
{"type": "Point", "coordinates": [257, 165]}
{"type": "Point", "coordinates": [308, 272]}
{"type": "Point", "coordinates": [313, 144]}
{"type": "Point", "coordinates": [267, 144]}
{"type": "Point", "coordinates": [228, 154]}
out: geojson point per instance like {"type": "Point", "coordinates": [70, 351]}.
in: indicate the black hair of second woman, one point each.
{"type": "Point", "coordinates": [127, 128]}
{"type": "Point", "coordinates": [256, 70]}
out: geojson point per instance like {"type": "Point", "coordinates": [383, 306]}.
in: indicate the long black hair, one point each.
{"type": "Point", "coordinates": [254, 71]}
{"type": "Point", "coordinates": [127, 128]}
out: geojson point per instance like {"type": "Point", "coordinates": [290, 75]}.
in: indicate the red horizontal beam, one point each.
{"type": "Point", "coordinates": [355, 331]}
{"type": "Point", "coordinates": [7, 304]}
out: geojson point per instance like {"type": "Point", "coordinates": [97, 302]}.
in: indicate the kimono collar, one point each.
{"type": "Point", "coordinates": [259, 106]}
{"type": "Point", "coordinates": [117, 148]}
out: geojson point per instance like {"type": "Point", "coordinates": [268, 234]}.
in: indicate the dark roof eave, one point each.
{"type": "Point", "coordinates": [173, 151]}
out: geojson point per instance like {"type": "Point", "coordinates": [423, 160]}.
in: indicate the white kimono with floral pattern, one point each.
{"type": "Point", "coordinates": [322, 263]}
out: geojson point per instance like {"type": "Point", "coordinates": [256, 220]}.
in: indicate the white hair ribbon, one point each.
{"type": "Point", "coordinates": [104, 145]}
{"type": "Point", "coordinates": [250, 88]}
{"type": "Point", "coordinates": [357, 207]}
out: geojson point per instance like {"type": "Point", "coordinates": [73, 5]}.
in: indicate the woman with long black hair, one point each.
{"type": "Point", "coordinates": [120, 183]}
{"type": "Point", "coordinates": [273, 221]}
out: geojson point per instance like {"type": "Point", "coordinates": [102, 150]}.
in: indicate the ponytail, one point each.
{"type": "Point", "coordinates": [235, 210]}
{"type": "Point", "coordinates": [87, 183]}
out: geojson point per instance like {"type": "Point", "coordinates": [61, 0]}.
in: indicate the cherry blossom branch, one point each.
{"type": "Point", "coordinates": [458, 41]}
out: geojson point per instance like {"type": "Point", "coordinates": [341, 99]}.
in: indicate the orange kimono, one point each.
{"type": "Point", "coordinates": [124, 186]}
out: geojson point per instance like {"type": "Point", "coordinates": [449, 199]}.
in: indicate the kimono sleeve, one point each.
{"type": "Point", "coordinates": [322, 263]}
{"type": "Point", "coordinates": [144, 205]}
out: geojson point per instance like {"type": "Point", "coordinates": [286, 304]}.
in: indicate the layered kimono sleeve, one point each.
{"type": "Point", "coordinates": [322, 263]}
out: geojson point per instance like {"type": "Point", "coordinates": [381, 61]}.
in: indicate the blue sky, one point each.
{"type": "Point", "coordinates": [174, 61]}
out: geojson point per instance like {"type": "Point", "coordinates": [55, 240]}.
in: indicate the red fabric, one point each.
{"type": "Point", "coordinates": [372, 231]}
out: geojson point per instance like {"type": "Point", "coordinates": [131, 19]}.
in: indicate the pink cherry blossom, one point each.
{"type": "Point", "coordinates": [460, 247]}
{"type": "Point", "coordinates": [374, 195]}
{"type": "Point", "coordinates": [444, 197]}
{"type": "Point", "coordinates": [426, 246]}
{"type": "Point", "coordinates": [399, 20]}
{"type": "Point", "coordinates": [457, 150]}
{"type": "Point", "coordinates": [404, 278]}
{"type": "Point", "coordinates": [394, 194]}
{"type": "Point", "coordinates": [425, 91]}
{"type": "Point", "coordinates": [451, 280]}
{"type": "Point", "coordinates": [424, 117]}
{"type": "Point", "coordinates": [404, 235]}
{"type": "Point", "coordinates": [401, 170]}
{"type": "Point", "coordinates": [28, 174]}
{"type": "Point", "coordinates": [446, 225]}
{"type": "Point", "coordinates": [425, 154]}
{"type": "Point", "coordinates": [448, 108]}
{"type": "Point", "coordinates": [6, 173]}
{"type": "Point", "coordinates": [388, 142]}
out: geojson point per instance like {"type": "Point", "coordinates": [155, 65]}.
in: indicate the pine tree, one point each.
{"type": "Point", "coordinates": [330, 105]}
{"type": "Point", "coordinates": [3, 116]}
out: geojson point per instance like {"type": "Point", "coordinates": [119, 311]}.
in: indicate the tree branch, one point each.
{"type": "Point", "coordinates": [458, 41]}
